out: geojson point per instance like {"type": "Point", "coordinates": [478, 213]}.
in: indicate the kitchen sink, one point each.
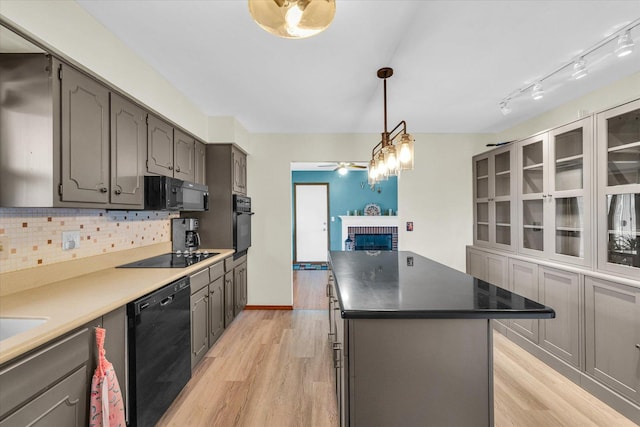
{"type": "Point", "coordinates": [10, 326]}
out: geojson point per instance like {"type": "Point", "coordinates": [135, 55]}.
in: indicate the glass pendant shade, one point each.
{"type": "Point", "coordinates": [625, 45]}
{"type": "Point", "coordinates": [293, 19]}
{"type": "Point", "coordinates": [390, 159]}
{"type": "Point", "coordinates": [405, 155]}
{"type": "Point", "coordinates": [381, 166]}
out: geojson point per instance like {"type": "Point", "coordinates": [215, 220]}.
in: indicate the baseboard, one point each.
{"type": "Point", "coordinates": [268, 307]}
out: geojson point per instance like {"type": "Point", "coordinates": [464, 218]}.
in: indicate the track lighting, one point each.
{"type": "Point", "coordinates": [577, 66]}
{"type": "Point", "coordinates": [625, 45]}
{"type": "Point", "coordinates": [504, 107]}
{"type": "Point", "coordinates": [579, 69]}
{"type": "Point", "coordinates": [537, 92]}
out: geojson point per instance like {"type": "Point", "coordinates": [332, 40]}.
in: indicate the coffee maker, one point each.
{"type": "Point", "coordinates": [185, 237]}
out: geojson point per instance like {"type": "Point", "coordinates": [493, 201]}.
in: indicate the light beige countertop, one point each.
{"type": "Point", "coordinates": [70, 302]}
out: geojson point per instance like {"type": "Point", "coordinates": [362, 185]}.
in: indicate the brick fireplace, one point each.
{"type": "Point", "coordinates": [370, 225]}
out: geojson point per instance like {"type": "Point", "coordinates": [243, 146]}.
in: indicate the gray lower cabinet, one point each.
{"type": "Point", "coordinates": [216, 302]}
{"type": "Point", "coordinates": [612, 335]}
{"type": "Point", "coordinates": [561, 335]}
{"type": "Point", "coordinates": [84, 166]}
{"type": "Point", "coordinates": [229, 300]}
{"type": "Point", "coordinates": [491, 268]}
{"type": "Point", "coordinates": [199, 315]}
{"type": "Point", "coordinates": [240, 287]}
{"type": "Point", "coordinates": [523, 277]}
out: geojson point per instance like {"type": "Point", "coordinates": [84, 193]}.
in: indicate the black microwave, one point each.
{"type": "Point", "coordinates": [163, 193]}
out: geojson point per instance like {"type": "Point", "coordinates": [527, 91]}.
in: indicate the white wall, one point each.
{"type": "Point", "coordinates": [436, 196]}
{"type": "Point", "coordinates": [70, 30]}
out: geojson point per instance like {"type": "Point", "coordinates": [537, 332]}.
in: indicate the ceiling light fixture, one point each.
{"type": "Point", "coordinates": [579, 69]}
{"type": "Point", "coordinates": [537, 92]}
{"type": "Point", "coordinates": [625, 45]}
{"type": "Point", "coordinates": [577, 65]}
{"type": "Point", "coordinates": [293, 19]}
{"type": "Point", "coordinates": [388, 159]}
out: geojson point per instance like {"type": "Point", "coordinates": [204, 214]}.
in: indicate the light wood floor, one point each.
{"type": "Point", "coordinates": [273, 368]}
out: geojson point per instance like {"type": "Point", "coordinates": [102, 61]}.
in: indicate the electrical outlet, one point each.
{"type": "Point", "coordinates": [70, 240]}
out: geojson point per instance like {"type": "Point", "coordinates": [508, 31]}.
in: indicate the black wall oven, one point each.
{"type": "Point", "coordinates": [241, 224]}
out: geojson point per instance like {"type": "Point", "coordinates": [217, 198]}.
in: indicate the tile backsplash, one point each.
{"type": "Point", "coordinates": [32, 237]}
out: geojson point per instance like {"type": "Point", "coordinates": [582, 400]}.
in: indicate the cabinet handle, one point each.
{"type": "Point", "coordinates": [550, 195]}
{"type": "Point", "coordinates": [544, 196]}
{"type": "Point", "coordinates": [170, 167]}
{"type": "Point", "coordinates": [638, 346]}
{"type": "Point", "coordinates": [118, 192]}
{"type": "Point", "coordinates": [103, 190]}
{"type": "Point", "coordinates": [177, 168]}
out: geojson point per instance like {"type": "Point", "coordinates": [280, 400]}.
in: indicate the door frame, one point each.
{"type": "Point", "coordinates": [295, 219]}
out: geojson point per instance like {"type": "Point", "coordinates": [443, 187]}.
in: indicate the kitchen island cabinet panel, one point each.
{"type": "Point", "coordinates": [612, 314]}
{"type": "Point", "coordinates": [84, 138]}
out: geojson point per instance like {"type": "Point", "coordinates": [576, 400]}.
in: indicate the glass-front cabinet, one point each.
{"type": "Point", "coordinates": [555, 184]}
{"type": "Point", "coordinates": [618, 132]}
{"type": "Point", "coordinates": [494, 195]}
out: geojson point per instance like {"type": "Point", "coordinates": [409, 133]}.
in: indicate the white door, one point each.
{"type": "Point", "coordinates": [311, 226]}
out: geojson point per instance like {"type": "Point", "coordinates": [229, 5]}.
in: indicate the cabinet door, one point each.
{"type": "Point", "coordinates": [115, 346]}
{"type": "Point", "coordinates": [159, 147]}
{"type": "Point", "coordinates": [128, 152]}
{"type": "Point", "coordinates": [199, 324]}
{"type": "Point", "coordinates": [229, 300]}
{"type": "Point", "coordinates": [64, 404]}
{"type": "Point", "coordinates": [240, 285]}
{"type": "Point", "coordinates": [612, 332]}
{"type": "Point", "coordinates": [533, 194]}
{"type": "Point", "coordinates": [200, 163]}
{"type": "Point", "coordinates": [481, 198]}
{"type": "Point", "coordinates": [560, 336]}
{"type": "Point", "coordinates": [216, 309]}
{"type": "Point", "coordinates": [618, 133]}
{"type": "Point", "coordinates": [503, 191]}
{"type": "Point", "coordinates": [497, 270]}
{"type": "Point", "coordinates": [184, 156]}
{"type": "Point", "coordinates": [239, 171]}
{"type": "Point", "coordinates": [524, 281]}
{"type": "Point", "coordinates": [84, 147]}
{"type": "Point", "coordinates": [477, 264]}
{"type": "Point", "coordinates": [569, 230]}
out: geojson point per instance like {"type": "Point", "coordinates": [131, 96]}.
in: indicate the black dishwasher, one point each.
{"type": "Point", "coordinates": [159, 351]}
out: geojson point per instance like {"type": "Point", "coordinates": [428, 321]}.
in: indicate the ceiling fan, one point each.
{"type": "Point", "coordinates": [342, 165]}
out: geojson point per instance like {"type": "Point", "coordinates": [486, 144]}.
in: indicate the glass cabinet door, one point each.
{"type": "Point", "coordinates": [502, 197]}
{"type": "Point", "coordinates": [619, 214]}
{"type": "Point", "coordinates": [532, 161]}
{"type": "Point", "coordinates": [481, 167]}
{"type": "Point", "coordinates": [569, 153]}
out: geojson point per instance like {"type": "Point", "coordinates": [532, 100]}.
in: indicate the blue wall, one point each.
{"type": "Point", "coordinates": [347, 193]}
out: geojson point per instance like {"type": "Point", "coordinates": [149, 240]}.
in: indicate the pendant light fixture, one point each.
{"type": "Point", "coordinates": [293, 19]}
{"type": "Point", "coordinates": [389, 156]}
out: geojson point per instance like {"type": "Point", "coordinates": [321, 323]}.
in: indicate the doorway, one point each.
{"type": "Point", "coordinates": [311, 219]}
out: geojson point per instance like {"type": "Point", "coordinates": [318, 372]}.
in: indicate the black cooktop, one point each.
{"type": "Point", "coordinates": [171, 260]}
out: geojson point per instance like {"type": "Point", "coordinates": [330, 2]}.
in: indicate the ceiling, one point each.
{"type": "Point", "coordinates": [454, 61]}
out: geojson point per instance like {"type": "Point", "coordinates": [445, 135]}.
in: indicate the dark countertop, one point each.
{"type": "Point", "coordinates": [404, 285]}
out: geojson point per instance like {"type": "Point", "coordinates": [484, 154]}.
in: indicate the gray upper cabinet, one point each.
{"type": "Point", "coordinates": [200, 154]}
{"type": "Point", "coordinates": [612, 334]}
{"type": "Point", "coordinates": [160, 147]}
{"type": "Point", "coordinates": [128, 152]}
{"type": "Point", "coordinates": [183, 156]}
{"type": "Point", "coordinates": [84, 138]}
{"type": "Point", "coordinates": [239, 166]}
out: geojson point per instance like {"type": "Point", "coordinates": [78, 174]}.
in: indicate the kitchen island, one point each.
{"type": "Point", "coordinates": [412, 339]}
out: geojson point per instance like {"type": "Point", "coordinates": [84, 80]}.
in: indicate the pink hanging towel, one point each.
{"type": "Point", "coordinates": [107, 408]}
